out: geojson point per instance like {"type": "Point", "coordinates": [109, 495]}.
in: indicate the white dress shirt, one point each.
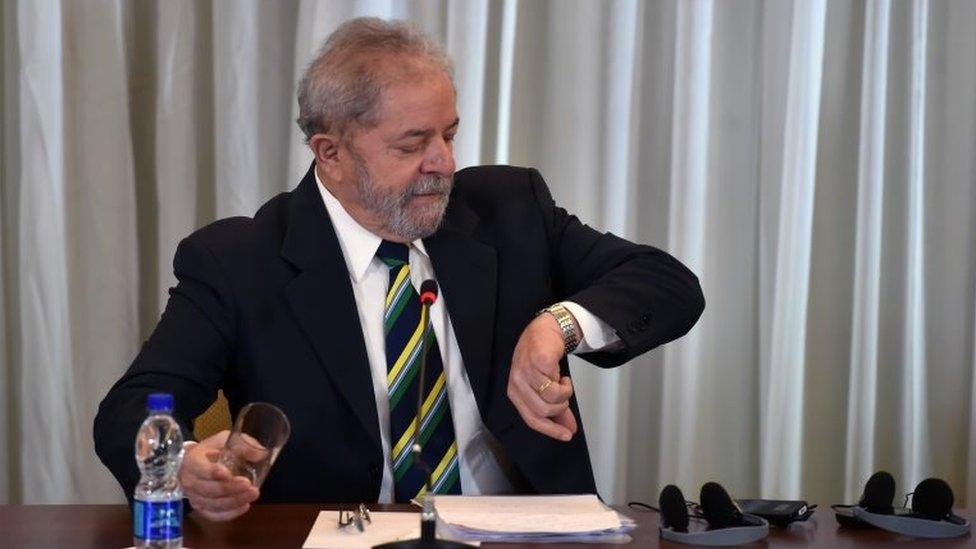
{"type": "Point", "coordinates": [482, 462]}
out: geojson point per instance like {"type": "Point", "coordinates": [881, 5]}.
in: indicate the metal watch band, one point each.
{"type": "Point", "coordinates": [571, 338]}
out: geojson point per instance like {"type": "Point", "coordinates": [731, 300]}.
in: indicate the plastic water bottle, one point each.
{"type": "Point", "coordinates": [158, 511]}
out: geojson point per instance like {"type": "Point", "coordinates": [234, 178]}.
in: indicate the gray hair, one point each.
{"type": "Point", "coordinates": [343, 83]}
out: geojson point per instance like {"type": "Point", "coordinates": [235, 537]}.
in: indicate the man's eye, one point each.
{"type": "Point", "coordinates": [409, 149]}
{"type": "Point", "coordinates": [449, 138]}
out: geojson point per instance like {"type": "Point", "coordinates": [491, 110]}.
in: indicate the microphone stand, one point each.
{"type": "Point", "coordinates": [428, 516]}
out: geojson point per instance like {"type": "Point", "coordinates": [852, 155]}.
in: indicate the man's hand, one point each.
{"type": "Point", "coordinates": [534, 385]}
{"type": "Point", "coordinates": [213, 491]}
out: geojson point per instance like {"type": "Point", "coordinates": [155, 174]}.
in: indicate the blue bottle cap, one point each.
{"type": "Point", "coordinates": [160, 402]}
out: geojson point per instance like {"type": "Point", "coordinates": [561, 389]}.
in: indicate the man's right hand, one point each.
{"type": "Point", "coordinates": [213, 491]}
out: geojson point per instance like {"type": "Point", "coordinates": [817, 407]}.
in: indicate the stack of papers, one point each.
{"type": "Point", "coordinates": [533, 519]}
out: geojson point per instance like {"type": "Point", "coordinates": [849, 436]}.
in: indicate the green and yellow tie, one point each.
{"type": "Point", "coordinates": [407, 330]}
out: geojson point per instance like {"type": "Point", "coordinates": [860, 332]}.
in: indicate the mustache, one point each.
{"type": "Point", "coordinates": [431, 184]}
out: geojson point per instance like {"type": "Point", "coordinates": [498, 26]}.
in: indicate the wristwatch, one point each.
{"type": "Point", "coordinates": [567, 325]}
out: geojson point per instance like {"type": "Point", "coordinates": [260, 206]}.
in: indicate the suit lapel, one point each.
{"type": "Point", "coordinates": [322, 300]}
{"type": "Point", "coordinates": [466, 271]}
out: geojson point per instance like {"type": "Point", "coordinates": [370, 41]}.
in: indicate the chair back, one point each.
{"type": "Point", "coordinates": [214, 419]}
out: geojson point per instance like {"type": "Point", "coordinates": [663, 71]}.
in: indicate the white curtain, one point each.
{"type": "Point", "coordinates": [812, 161]}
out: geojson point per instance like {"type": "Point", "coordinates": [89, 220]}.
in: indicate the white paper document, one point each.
{"type": "Point", "coordinates": [530, 519]}
{"type": "Point", "coordinates": [327, 534]}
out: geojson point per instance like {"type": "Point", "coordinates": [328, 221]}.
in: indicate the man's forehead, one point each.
{"type": "Point", "coordinates": [418, 106]}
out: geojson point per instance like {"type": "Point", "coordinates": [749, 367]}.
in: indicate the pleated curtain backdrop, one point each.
{"type": "Point", "coordinates": [812, 161]}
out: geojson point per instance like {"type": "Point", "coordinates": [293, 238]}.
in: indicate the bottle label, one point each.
{"type": "Point", "coordinates": [158, 520]}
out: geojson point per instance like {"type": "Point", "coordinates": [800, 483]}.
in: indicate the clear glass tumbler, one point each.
{"type": "Point", "coordinates": [259, 433]}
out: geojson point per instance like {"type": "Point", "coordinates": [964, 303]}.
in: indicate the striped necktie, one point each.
{"type": "Point", "coordinates": [406, 334]}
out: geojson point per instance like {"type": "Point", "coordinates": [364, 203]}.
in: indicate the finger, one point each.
{"type": "Point", "coordinates": [566, 384]}
{"type": "Point", "coordinates": [541, 383]}
{"type": "Point", "coordinates": [218, 488]}
{"type": "Point", "coordinates": [197, 460]}
{"type": "Point", "coordinates": [216, 441]}
{"type": "Point", "coordinates": [558, 392]}
{"type": "Point", "coordinates": [549, 428]}
{"type": "Point", "coordinates": [568, 420]}
{"type": "Point", "coordinates": [195, 468]}
{"type": "Point", "coordinates": [540, 405]}
{"type": "Point", "coordinates": [527, 385]}
{"type": "Point", "coordinates": [520, 395]}
{"type": "Point", "coordinates": [219, 471]}
{"type": "Point", "coordinates": [200, 466]}
{"type": "Point", "coordinates": [541, 408]}
{"type": "Point", "coordinates": [227, 503]}
{"type": "Point", "coordinates": [540, 424]}
{"type": "Point", "coordinates": [222, 516]}
{"type": "Point", "coordinates": [203, 462]}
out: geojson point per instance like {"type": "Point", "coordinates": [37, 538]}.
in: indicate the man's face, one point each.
{"type": "Point", "coordinates": [403, 168]}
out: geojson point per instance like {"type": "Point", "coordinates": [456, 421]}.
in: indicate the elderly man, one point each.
{"type": "Point", "coordinates": [312, 305]}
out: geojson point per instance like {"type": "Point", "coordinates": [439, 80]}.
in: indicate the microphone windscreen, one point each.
{"type": "Point", "coordinates": [717, 506]}
{"type": "Point", "coordinates": [933, 499]}
{"type": "Point", "coordinates": [674, 512]}
{"type": "Point", "coordinates": [879, 493]}
{"type": "Point", "coordinates": [428, 291]}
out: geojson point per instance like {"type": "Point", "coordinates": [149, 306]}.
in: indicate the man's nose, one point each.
{"type": "Point", "coordinates": [439, 158]}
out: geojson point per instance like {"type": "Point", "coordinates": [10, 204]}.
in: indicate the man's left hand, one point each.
{"type": "Point", "coordinates": [535, 387]}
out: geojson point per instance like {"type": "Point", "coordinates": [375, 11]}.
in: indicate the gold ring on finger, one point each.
{"type": "Point", "coordinates": [545, 385]}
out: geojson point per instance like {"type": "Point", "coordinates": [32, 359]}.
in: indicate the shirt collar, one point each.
{"type": "Point", "coordinates": [358, 244]}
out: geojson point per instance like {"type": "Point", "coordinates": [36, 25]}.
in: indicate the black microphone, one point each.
{"type": "Point", "coordinates": [428, 517]}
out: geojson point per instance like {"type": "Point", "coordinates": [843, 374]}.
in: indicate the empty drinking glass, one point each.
{"type": "Point", "coordinates": [259, 433]}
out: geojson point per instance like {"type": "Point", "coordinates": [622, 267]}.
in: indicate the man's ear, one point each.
{"type": "Point", "coordinates": [325, 147]}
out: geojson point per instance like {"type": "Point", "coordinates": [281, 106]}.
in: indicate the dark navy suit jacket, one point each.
{"type": "Point", "coordinates": [264, 309]}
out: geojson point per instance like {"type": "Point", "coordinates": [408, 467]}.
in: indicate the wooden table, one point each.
{"type": "Point", "coordinates": [110, 526]}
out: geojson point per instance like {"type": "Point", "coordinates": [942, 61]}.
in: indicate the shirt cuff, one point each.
{"type": "Point", "coordinates": [596, 334]}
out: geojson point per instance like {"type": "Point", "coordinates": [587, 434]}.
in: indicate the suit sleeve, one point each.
{"type": "Point", "coordinates": [643, 293]}
{"type": "Point", "coordinates": [185, 355]}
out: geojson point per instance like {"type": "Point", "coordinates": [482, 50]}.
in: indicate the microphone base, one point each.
{"type": "Point", "coordinates": [423, 544]}
{"type": "Point", "coordinates": [427, 539]}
